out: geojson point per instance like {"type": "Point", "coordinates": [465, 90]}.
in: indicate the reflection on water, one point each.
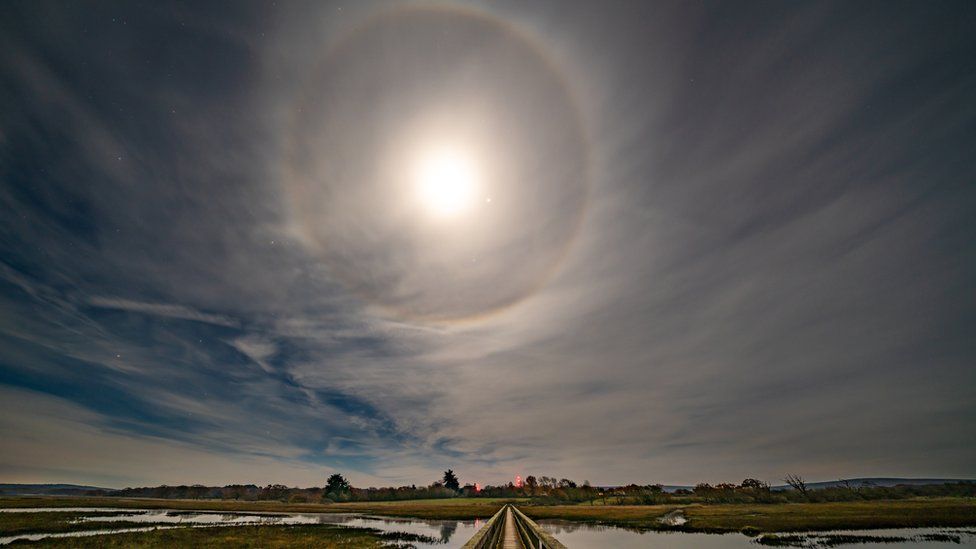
{"type": "Point", "coordinates": [207, 518]}
{"type": "Point", "coordinates": [585, 536]}
{"type": "Point", "coordinates": [61, 510]}
{"type": "Point", "coordinates": [449, 533]}
{"type": "Point", "coordinates": [590, 536]}
{"type": "Point", "coordinates": [455, 533]}
{"type": "Point", "coordinates": [447, 530]}
{"type": "Point", "coordinates": [905, 537]}
{"type": "Point", "coordinates": [35, 537]}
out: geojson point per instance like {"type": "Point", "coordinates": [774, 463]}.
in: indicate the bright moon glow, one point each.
{"type": "Point", "coordinates": [447, 182]}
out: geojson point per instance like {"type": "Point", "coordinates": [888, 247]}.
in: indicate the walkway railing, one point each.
{"type": "Point", "coordinates": [530, 534]}
{"type": "Point", "coordinates": [490, 533]}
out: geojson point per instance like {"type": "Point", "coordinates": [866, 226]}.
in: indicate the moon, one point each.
{"type": "Point", "coordinates": [437, 164]}
{"type": "Point", "coordinates": [446, 182]}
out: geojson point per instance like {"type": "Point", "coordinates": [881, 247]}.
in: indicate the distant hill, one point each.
{"type": "Point", "coordinates": [878, 481]}
{"type": "Point", "coordinates": [81, 490]}
{"type": "Point", "coordinates": [857, 482]}
{"type": "Point", "coordinates": [50, 490]}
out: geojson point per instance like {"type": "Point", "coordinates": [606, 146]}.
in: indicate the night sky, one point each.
{"type": "Point", "coordinates": [615, 241]}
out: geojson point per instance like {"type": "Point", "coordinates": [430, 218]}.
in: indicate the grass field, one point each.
{"type": "Point", "coordinates": [636, 516]}
{"type": "Point", "coordinates": [26, 523]}
{"type": "Point", "coordinates": [828, 516]}
{"type": "Point", "coordinates": [713, 518]}
{"type": "Point", "coordinates": [318, 537]}
{"type": "Point", "coordinates": [455, 508]}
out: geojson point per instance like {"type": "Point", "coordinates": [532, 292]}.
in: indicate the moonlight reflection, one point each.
{"type": "Point", "coordinates": [437, 164]}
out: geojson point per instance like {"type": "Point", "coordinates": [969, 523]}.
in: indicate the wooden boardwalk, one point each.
{"type": "Point", "coordinates": [510, 528]}
{"type": "Point", "coordinates": [510, 539]}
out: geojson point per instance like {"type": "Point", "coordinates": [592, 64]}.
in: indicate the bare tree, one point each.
{"type": "Point", "coordinates": [797, 483]}
{"type": "Point", "coordinates": [850, 486]}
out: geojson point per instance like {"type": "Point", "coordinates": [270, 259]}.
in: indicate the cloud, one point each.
{"type": "Point", "coordinates": [34, 423]}
{"type": "Point", "coordinates": [162, 309]}
{"type": "Point", "coordinates": [772, 274]}
{"type": "Point", "coordinates": [257, 349]}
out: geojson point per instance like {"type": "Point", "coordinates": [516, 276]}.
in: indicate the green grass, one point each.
{"type": "Point", "coordinates": [454, 508]}
{"type": "Point", "coordinates": [445, 509]}
{"type": "Point", "coordinates": [150, 503]}
{"type": "Point", "coordinates": [946, 512]}
{"type": "Point", "coordinates": [317, 537]}
{"type": "Point", "coordinates": [441, 502]}
{"type": "Point", "coordinates": [635, 516]}
{"type": "Point", "coordinates": [792, 517]}
{"type": "Point", "coordinates": [711, 517]}
{"type": "Point", "coordinates": [24, 523]}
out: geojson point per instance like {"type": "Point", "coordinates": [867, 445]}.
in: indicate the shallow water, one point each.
{"type": "Point", "coordinates": [447, 533]}
{"type": "Point", "coordinates": [588, 536]}
{"type": "Point", "coordinates": [35, 537]}
{"type": "Point", "coordinates": [455, 533]}
{"type": "Point", "coordinates": [212, 518]}
{"type": "Point", "coordinates": [61, 509]}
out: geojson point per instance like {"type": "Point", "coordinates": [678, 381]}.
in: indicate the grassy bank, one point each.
{"type": "Point", "coordinates": [455, 508]}
{"type": "Point", "coordinates": [26, 523]}
{"type": "Point", "coordinates": [712, 518]}
{"type": "Point", "coordinates": [791, 517]}
{"type": "Point", "coordinates": [446, 509]}
{"type": "Point", "coordinates": [634, 516]}
{"type": "Point", "coordinates": [787, 517]}
{"type": "Point", "coordinates": [318, 537]}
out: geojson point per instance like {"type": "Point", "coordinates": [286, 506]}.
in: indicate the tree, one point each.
{"type": "Point", "coordinates": [589, 491]}
{"type": "Point", "coordinates": [275, 491]}
{"type": "Point", "coordinates": [755, 485]}
{"type": "Point", "coordinates": [759, 490]}
{"type": "Point", "coordinates": [531, 483]}
{"type": "Point", "coordinates": [337, 484]}
{"type": "Point", "coordinates": [237, 491]}
{"type": "Point", "coordinates": [856, 490]}
{"type": "Point", "coordinates": [797, 483]}
{"type": "Point", "coordinates": [705, 491]}
{"type": "Point", "coordinates": [451, 480]}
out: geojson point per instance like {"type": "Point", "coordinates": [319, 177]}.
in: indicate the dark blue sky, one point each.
{"type": "Point", "coordinates": [709, 241]}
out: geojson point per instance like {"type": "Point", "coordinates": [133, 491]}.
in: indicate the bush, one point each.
{"type": "Point", "coordinates": [750, 531]}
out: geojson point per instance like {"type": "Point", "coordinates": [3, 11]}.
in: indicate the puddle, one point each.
{"type": "Point", "coordinates": [674, 518]}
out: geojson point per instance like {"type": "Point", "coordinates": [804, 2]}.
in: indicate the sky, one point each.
{"type": "Point", "coordinates": [650, 242]}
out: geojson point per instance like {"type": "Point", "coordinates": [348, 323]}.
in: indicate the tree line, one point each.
{"type": "Point", "coordinates": [550, 490]}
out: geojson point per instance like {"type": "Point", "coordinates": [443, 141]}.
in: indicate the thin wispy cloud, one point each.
{"type": "Point", "coordinates": [162, 309]}
{"type": "Point", "coordinates": [713, 244]}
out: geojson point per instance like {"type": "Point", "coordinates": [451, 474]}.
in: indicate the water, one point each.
{"type": "Point", "coordinates": [194, 518]}
{"type": "Point", "coordinates": [446, 533]}
{"type": "Point", "coordinates": [35, 537]}
{"type": "Point", "coordinates": [589, 536]}
{"type": "Point", "coordinates": [455, 533]}
{"type": "Point", "coordinates": [59, 510]}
